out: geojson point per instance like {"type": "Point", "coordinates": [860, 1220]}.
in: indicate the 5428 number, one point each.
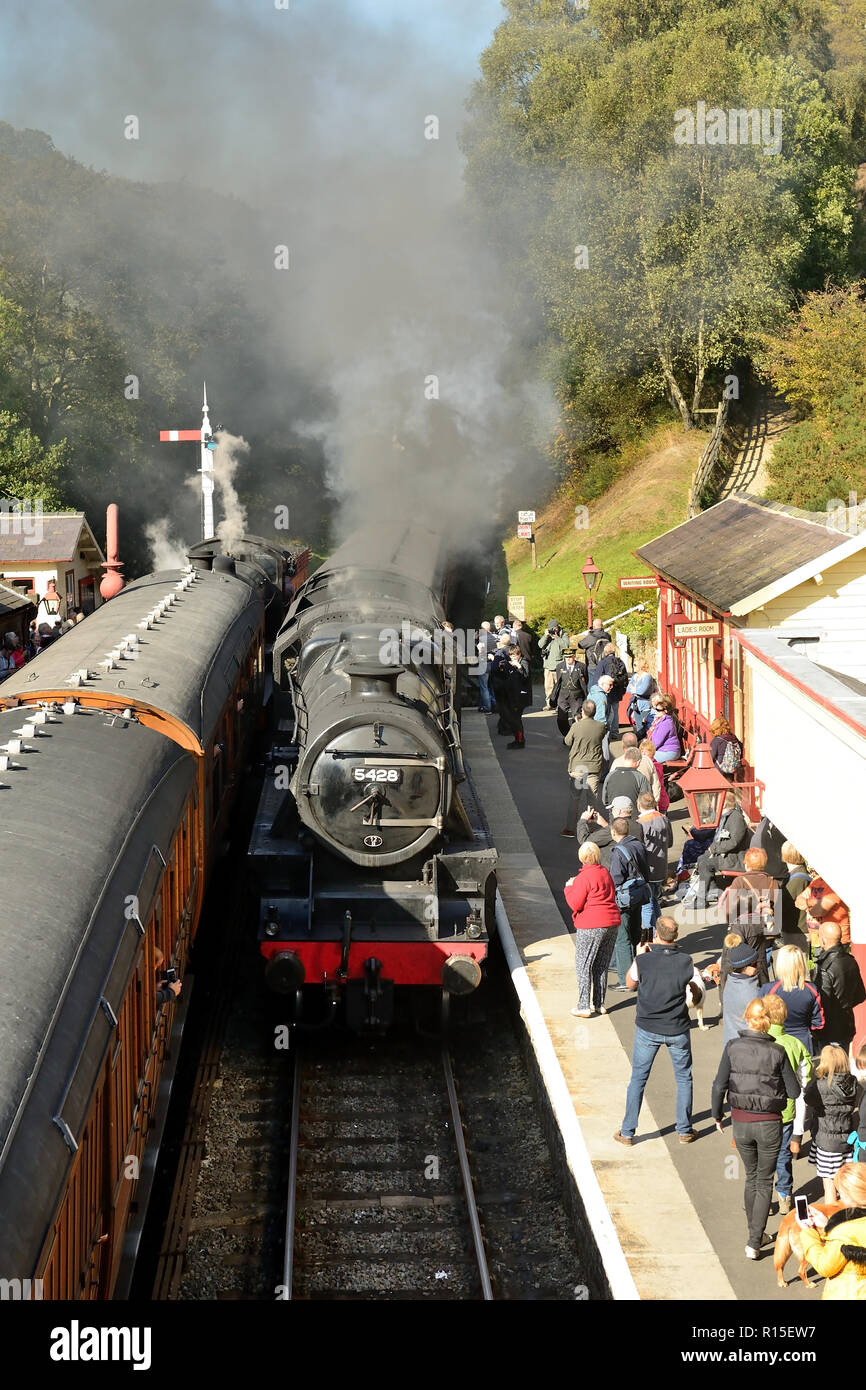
{"type": "Point", "coordinates": [377, 774]}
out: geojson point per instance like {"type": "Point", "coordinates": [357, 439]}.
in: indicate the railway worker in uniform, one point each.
{"type": "Point", "coordinates": [592, 899]}
{"type": "Point", "coordinates": [568, 693]}
{"type": "Point", "coordinates": [666, 982]}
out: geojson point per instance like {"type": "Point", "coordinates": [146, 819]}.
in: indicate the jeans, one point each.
{"type": "Point", "coordinates": [484, 692]}
{"type": "Point", "coordinates": [627, 938]}
{"type": "Point", "coordinates": [646, 1045]}
{"type": "Point", "coordinates": [758, 1144]}
{"type": "Point", "coordinates": [785, 1163]}
{"type": "Point", "coordinates": [664, 757]}
{"type": "Point", "coordinates": [650, 912]}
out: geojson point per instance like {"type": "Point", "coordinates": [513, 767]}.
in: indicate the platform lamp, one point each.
{"type": "Point", "coordinates": [705, 789]}
{"type": "Point", "coordinates": [51, 600]}
{"type": "Point", "coordinates": [592, 577]}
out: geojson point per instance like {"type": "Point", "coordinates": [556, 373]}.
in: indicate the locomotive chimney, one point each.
{"type": "Point", "coordinates": [111, 582]}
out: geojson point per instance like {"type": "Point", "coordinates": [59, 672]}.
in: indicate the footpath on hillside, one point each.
{"type": "Point", "coordinates": [765, 417]}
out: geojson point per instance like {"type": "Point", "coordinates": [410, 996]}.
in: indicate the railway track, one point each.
{"type": "Point", "coordinates": [381, 1195]}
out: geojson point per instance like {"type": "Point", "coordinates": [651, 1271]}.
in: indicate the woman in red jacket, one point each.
{"type": "Point", "coordinates": [592, 899]}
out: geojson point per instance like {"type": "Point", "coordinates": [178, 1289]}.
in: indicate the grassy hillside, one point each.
{"type": "Point", "coordinates": [649, 496]}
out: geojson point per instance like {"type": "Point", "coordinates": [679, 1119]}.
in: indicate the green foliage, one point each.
{"type": "Point", "coordinates": [824, 457]}
{"type": "Point", "coordinates": [822, 348]}
{"type": "Point", "coordinates": [694, 250]}
{"type": "Point", "coordinates": [29, 471]}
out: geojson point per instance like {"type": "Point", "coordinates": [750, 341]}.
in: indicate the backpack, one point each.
{"type": "Point", "coordinates": [635, 891]}
{"type": "Point", "coordinates": [596, 651]}
{"type": "Point", "coordinates": [619, 676]}
{"type": "Point", "coordinates": [732, 756]}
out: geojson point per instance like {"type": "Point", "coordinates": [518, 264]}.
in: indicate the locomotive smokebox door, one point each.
{"type": "Point", "coordinates": [370, 1002]}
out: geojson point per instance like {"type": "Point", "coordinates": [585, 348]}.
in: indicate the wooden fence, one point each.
{"type": "Point", "coordinates": [708, 460]}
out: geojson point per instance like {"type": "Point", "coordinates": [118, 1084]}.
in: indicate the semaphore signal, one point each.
{"type": "Point", "coordinates": [208, 445]}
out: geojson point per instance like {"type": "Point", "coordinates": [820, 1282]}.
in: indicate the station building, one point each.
{"type": "Point", "coordinates": [762, 618]}
{"type": "Point", "coordinates": [52, 545]}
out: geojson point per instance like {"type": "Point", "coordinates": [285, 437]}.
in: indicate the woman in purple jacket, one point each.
{"type": "Point", "coordinates": [663, 730]}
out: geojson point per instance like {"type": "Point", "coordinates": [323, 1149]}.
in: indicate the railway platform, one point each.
{"type": "Point", "coordinates": [677, 1209]}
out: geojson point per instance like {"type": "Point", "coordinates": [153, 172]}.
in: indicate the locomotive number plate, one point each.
{"type": "Point", "coordinates": [394, 775]}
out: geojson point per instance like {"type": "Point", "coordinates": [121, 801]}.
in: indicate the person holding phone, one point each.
{"type": "Point", "coordinates": [168, 986]}
{"type": "Point", "coordinates": [835, 1246]}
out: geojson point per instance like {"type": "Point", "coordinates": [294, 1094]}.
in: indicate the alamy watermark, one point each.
{"type": "Point", "coordinates": [413, 646]}
{"type": "Point", "coordinates": [849, 516]}
{"type": "Point", "coordinates": [737, 126]}
{"type": "Point", "coordinates": [21, 517]}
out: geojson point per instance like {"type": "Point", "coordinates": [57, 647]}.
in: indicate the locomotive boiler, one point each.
{"type": "Point", "coordinates": [371, 874]}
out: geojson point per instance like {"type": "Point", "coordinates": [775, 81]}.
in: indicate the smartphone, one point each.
{"type": "Point", "coordinates": [170, 975]}
{"type": "Point", "coordinates": [801, 1207]}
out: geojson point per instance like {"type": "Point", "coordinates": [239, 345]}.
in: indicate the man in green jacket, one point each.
{"type": "Point", "coordinates": [801, 1066]}
{"type": "Point", "coordinates": [554, 643]}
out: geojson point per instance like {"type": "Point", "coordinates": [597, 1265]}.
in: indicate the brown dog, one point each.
{"type": "Point", "coordinates": [788, 1242]}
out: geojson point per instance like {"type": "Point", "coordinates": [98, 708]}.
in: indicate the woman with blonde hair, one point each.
{"type": "Point", "coordinates": [640, 688]}
{"type": "Point", "coordinates": [592, 899]}
{"type": "Point", "coordinates": [798, 880]}
{"type": "Point", "coordinates": [802, 1000]}
{"type": "Point", "coordinates": [835, 1247]}
{"type": "Point", "coordinates": [833, 1097]}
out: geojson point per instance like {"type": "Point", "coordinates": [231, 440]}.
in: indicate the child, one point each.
{"type": "Point", "coordinates": [833, 1097]}
{"type": "Point", "coordinates": [740, 987]}
{"type": "Point", "coordinates": [794, 1113]}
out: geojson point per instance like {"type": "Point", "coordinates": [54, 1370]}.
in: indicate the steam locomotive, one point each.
{"type": "Point", "coordinates": [369, 871]}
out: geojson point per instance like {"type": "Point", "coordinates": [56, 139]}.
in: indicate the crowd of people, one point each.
{"type": "Point", "coordinates": [787, 982]}
{"type": "Point", "coordinates": [14, 653]}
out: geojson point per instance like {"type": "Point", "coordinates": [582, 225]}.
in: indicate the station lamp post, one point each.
{"type": "Point", "coordinates": [705, 789]}
{"type": "Point", "coordinates": [592, 577]}
{"type": "Point", "coordinates": [51, 600]}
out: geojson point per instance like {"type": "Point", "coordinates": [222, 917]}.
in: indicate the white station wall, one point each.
{"type": "Point", "coordinates": [814, 769]}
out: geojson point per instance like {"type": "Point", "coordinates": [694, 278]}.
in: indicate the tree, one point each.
{"type": "Point", "coordinates": [658, 258]}
{"type": "Point", "coordinates": [820, 351]}
{"type": "Point", "coordinates": [28, 470]}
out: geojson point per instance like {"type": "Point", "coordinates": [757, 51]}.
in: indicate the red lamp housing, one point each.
{"type": "Point", "coordinates": [705, 789]}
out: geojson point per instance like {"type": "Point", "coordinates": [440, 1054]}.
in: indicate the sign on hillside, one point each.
{"type": "Point", "coordinates": [524, 533]}
{"type": "Point", "coordinates": [527, 517]}
{"type": "Point", "coordinates": [516, 604]}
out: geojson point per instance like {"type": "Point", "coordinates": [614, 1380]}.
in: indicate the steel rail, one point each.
{"type": "Point", "coordinates": [294, 1136]}
{"type": "Point", "coordinates": [465, 1173]}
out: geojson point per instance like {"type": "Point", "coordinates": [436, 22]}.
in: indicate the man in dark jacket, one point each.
{"type": "Point", "coordinates": [666, 982]}
{"type": "Point", "coordinates": [627, 860]}
{"type": "Point", "coordinates": [726, 849]}
{"type": "Point", "coordinates": [626, 780]}
{"type": "Point", "coordinates": [592, 643]}
{"type": "Point", "coordinates": [568, 693]}
{"type": "Point", "coordinates": [840, 985]}
{"type": "Point", "coordinates": [523, 637]}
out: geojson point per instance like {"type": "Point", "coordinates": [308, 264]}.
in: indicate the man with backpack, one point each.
{"type": "Point", "coordinates": [592, 643]}
{"type": "Point", "coordinates": [612, 665]}
{"type": "Point", "coordinates": [630, 873]}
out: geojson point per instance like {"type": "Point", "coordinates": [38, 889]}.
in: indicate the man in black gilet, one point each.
{"type": "Point", "coordinates": [666, 982]}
